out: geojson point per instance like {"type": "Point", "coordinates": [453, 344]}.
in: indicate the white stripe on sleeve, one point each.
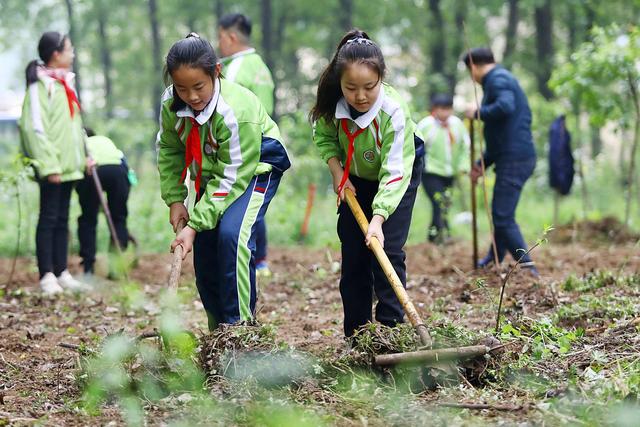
{"type": "Point", "coordinates": [231, 170]}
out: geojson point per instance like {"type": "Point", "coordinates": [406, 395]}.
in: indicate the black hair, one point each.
{"type": "Point", "coordinates": [50, 42]}
{"type": "Point", "coordinates": [355, 46]}
{"type": "Point", "coordinates": [441, 100]}
{"type": "Point", "coordinates": [89, 131]}
{"type": "Point", "coordinates": [194, 52]}
{"type": "Point", "coordinates": [478, 56]}
{"type": "Point", "coordinates": [237, 21]}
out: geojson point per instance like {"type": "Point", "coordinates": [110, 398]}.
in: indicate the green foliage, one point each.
{"type": "Point", "coordinates": [602, 74]}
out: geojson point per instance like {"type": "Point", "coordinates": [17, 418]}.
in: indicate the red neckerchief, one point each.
{"type": "Point", "coordinates": [193, 152]}
{"type": "Point", "coordinates": [351, 137]}
{"type": "Point", "coordinates": [71, 94]}
{"type": "Point", "coordinates": [445, 124]}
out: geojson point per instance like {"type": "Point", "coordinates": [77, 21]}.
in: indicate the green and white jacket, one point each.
{"type": "Point", "coordinates": [232, 127]}
{"type": "Point", "coordinates": [104, 151]}
{"type": "Point", "coordinates": [384, 152]}
{"type": "Point", "coordinates": [247, 69]}
{"type": "Point", "coordinates": [447, 146]}
{"type": "Point", "coordinates": [50, 137]}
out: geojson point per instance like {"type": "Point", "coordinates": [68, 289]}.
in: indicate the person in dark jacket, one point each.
{"type": "Point", "coordinates": [509, 147]}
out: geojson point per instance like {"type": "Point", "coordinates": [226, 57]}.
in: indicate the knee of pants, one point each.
{"type": "Point", "coordinates": [503, 222]}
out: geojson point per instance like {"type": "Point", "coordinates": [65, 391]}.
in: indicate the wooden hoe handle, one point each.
{"type": "Point", "coordinates": [176, 263]}
{"type": "Point", "coordinates": [389, 271]}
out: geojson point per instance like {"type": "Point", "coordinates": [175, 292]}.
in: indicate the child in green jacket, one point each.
{"type": "Point", "coordinates": [242, 65]}
{"type": "Point", "coordinates": [363, 130]}
{"type": "Point", "coordinates": [447, 142]}
{"type": "Point", "coordinates": [53, 139]}
{"type": "Point", "coordinates": [222, 132]}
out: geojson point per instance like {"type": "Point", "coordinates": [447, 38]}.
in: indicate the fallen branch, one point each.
{"type": "Point", "coordinates": [622, 327]}
{"type": "Point", "coordinates": [7, 416]}
{"type": "Point", "coordinates": [482, 406]}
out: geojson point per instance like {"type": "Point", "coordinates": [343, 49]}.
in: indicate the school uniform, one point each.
{"type": "Point", "coordinates": [52, 137]}
{"type": "Point", "coordinates": [235, 153]}
{"type": "Point", "coordinates": [113, 172]}
{"type": "Point", "coordinates": [247, 69]}
{"type": "Point", "coordinates": [447, 147]}
{"type": "Point", "coordinates": [385, 166]}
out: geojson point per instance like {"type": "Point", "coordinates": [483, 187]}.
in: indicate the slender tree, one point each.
{"type": "Point", "coordinates": [544, 47]}
{"type": "Point", "coordinates": [105, 58]}
{"type": "Point", "coordinates": [345, 15]}
{"type": "Point", "coordinates": [72, 35]}
{"type": "Point", "coordinates": [511, 35]}
{"type": "Point", "coordinates": [156, 87]}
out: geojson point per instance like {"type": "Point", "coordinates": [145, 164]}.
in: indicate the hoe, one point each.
{"type": "Point", "coordinates": [426, 355]}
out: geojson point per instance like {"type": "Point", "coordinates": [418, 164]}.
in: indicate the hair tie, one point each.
{"type": "Point", "coordinates": [360, 40]}
{"type": "Point", "coordinates": [193, 34]}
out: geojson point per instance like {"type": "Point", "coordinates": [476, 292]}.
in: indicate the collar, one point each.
{"type": "Point", "coordinates": [342, 110]}
{"type": "Point", "coordinates": [45, 72]}
{"type": "Point", "coordinates": [486, 76]}
{"type": "Point", "coordinates": [206, 114]}
{"type": "Point", "coordinates": [238, 54]}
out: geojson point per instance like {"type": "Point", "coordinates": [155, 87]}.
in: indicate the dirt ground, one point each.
{"type": "Point", "coordinates": [37, 382]}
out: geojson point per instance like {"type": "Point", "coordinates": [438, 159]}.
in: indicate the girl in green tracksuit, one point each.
{"type": "Point", "coordinates": [53, 139]}
{"type": "Point", "coordinates": [222, 133]}
{"type": "Point", "coordinates": [363, 130]}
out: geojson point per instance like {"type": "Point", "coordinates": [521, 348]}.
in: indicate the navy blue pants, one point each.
{"type": "Point", "coordinates": [438, 189]}
{"type": "Point", "coordinates": [361, 273]}
{"type": "Point", "coordinates": [53, 227]}
{"type": "Point", "coordinates": [224, 258]}
{"type": "Point", "coordinates": [115, 182]}
{"type": "Point", "coordinates": [510, 179]}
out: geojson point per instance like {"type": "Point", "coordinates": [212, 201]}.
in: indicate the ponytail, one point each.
{"type": "Point", "coordinates": [50, 42]}
{"type": "Point", "coordinates": [31, 72]}
{"type": "Point", "coordinates": [355, 46]}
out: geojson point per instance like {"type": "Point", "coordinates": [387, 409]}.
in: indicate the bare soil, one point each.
{"type": "Point", "coordinates": [37, 376]}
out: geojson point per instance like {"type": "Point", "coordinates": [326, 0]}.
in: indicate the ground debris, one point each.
{"type": "Point", "coordinates": [606, 230]}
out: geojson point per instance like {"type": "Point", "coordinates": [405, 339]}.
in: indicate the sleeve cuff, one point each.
{"type": "Point", "coordinates": [326, 157]}
{"type": "Point", "coordinates": [174, 199]}
{"type": "Point", "coordinates": [382, 212]}
{"type": "Point", "coordinates": [194, 226]}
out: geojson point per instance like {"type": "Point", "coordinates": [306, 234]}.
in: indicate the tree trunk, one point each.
{"type": "Point", "coordinates": [218, 10]}
{"type": "Point", "coordinates": [345, 15]}
{"type": "Point", "coordinates": [544, 47]}
{"type": "Point", "coordinates": [580, 157]}
{"type": "Point", "coordinates": [634, 149]}
{"type": "Point", "coordinates": [72, 36]}
{"type": "Point", "coordinates": [267, 45]}
{"type": "Point", "coordinates": [511, 35]}
{"type": "Point", "coordinates": [105, 56]}
{"type": "Point", "coordinates": [437, 42]}
{"type": "Point", "coordinates": [156, 87]}
{"type": "Point", "coordinates": [596, 141]}
{"type": "Point", "coordinates": [266, 13]}
{"type": "Point", "coordinates": [457, 43]}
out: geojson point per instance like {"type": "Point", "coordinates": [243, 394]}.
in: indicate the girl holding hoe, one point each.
{"type": "Point", "coordinates": [363, 130]}
{"type": "Point", "coordinates": [222, 132]}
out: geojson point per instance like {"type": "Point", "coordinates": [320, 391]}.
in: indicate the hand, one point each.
{"type": "Point", "coordinates": [89, 165]}
{"type": "Point", "coordinates": [54, 178]}
{"type": "Point", "coordinates": [336, 173]}
{"type": "Point", "coordinates": [184, 239]}
{"type": "Point", "coordinates": [375, 230]}
{"type": "Point", "coordinates": [178, 212]}
{"type": "Point", "coordinates": [471, 112]}
{"type": "Point", "coordinates": [347, 184]}
{"type": "Point", "coordinates": [476, 172]}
